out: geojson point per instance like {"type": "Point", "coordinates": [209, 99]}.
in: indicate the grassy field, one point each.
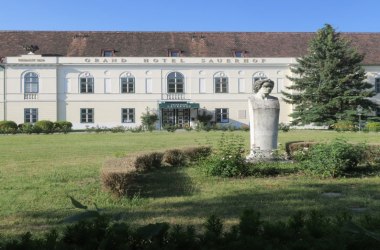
{"type": "Point", "coordinates": [39, 172]}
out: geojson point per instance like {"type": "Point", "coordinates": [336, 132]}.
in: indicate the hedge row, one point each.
{"type": "Point", "coordinates": [119, 174]}
{"type": "Point", "coordinates": [43, 126]}
{"type": "Point", "coordinates": [310, 230]}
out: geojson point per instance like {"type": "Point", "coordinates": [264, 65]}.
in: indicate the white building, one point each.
{"type": "Point", "coordinates": [110, 78]}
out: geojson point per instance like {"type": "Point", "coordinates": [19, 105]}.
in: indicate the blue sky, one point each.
{"type": "Point", "coordinates": [191, 15]}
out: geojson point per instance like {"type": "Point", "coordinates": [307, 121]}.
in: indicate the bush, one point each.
{"type": "Point", "coordinates": [228, 159]}
{"type": "Point", "coordinates": [118, 129]}
{"type": "Point", "coordinates": [194, 154]}
{"type": "Point", "coordinates": [283, 127]}
{"type": "Point", "coordinates": [8, 127]}
{"type": "Point", "coordinates": [63, 126]}
{"type": "Point", "coordinates": [26, 128]}
{"type": "Point", "coordinates": [170, 128]}
{"type": "Point", "coordinates": [372, 127]}
{"type": "Point", "coordinates": [174, 158]}
{"type": "Point", "coordinates": [333, 159]}
{"type": "Point", "coordinates": [344, 125]}
{"type": "Point", "coordinates": [147, 161]}
{"type": "Point", "coordinates": [298, 150]}
{"type": "Point", "coordinates": [44, 126]}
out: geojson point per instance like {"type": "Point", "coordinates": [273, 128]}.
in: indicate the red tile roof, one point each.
{"type": "Point", "coordinates": [192, 44]}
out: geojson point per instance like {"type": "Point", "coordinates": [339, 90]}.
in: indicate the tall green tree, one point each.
{"type": "Point", "coordinates": [328, 82]}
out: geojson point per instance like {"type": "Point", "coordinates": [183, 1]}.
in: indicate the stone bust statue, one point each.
{"type": "Point", "coordinates": [264, 111]}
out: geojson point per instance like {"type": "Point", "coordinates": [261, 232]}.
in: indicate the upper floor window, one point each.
{"type": "Point", "coordinates": [239, 53]}
{"type": "Point", "coordinates": [175, 83]}
{"type": "Point", "coordinates": [108, 52]}
{"type": "Point", "coordinates": [86, 83]}
{"type": "Point", "coordinates": [377, 85]}
{"type": "Point", "coordinates": [30, 115]}
{"type": "Point", "coordinates": [174, 53]}
{"type": "Point", "coordinates": [221, 83]}
{"type": "Point", "coordinates": [31, 82]}
{"type": "Point", "coordinates": [127, 83]}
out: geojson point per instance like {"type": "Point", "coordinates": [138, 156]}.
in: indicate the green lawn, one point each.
{"type": "Point", "coordinates": [38, 172]}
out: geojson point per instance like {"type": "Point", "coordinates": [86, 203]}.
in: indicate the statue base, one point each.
{"type": "Point", "coordinates": [258, 155]}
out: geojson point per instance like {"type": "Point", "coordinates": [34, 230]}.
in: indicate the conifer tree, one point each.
{"type": "Point", "coordinates": [329, 82]}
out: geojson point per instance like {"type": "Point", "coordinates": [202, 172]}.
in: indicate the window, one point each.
{"type": "Point", "coordinates": [87, 84]}
{"type": "Point", "coordinates": [127, 84]}
{"type": "Point", "coordinates": [127, 115]}
{"type": "Point", "coordinates": [221, 83]}
{"type": "Point", "coordinates": [30, 83]}
{"type": "Point", "coordinates": [221, 115]}
{"type": "Point", "coordinates": [30, 115]}
{"type": "Point", "coordinates": [174, 53]}
{"type": "Point", "coordinates": [108, 53]}
{"type": "Point", "coordinates": [87, 115]}
{"type": "Point", "coordinates": [377, 85]}
{"type": "Point", "coordinates": [239, 53]}
{"type": "Point", "coordinates": [175, 82]}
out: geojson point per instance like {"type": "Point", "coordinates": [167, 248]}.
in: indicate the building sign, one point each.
{"type": "Point", "coordinates": [178, 105]}
{"type": "Point", "coordinates": [168, 60]}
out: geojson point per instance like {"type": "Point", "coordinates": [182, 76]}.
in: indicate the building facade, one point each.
{"type": "Point", "coordinates": [91, 79]}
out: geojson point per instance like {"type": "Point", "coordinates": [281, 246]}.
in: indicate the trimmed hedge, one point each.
{"type": "Point", "coordinates": [8, 127]}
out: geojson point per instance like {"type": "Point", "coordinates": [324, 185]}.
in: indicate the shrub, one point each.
{"type": "Point", "coordinates": [118, 129]}
{"type": "Point", "coordinates": [344, 125]}
{"type": "Point", "coordinates": [26, 128]}
{"type": "Point", "coordinates": [174, 158]}
{"type": "Point", "coordinates": [148, 120]}
{"type": "Point", "coordinates": [372, 127]}
{"type": "Point", "coordinates": [333, 159]}
{"type": "Point", "coordinates": [283, 127]}
{"type": "Point", "coordinates": [170, 128]}
{"type": "Point", "coordinates": [63, 126]}
{"type": "Point", "coordinates": [8, 127]}
{"type": "Point", "coordinates": [194, 154]}
{"type": "Point", "coordinates": [298, 150]}
{"type": "Point", "coordinates": [148, 161]}
{"type": "Point", "coordinates": [117, 182]}
{"type": "Point", "coordinates": [228, 159]}
{"type": "Point", "coordinates": [44, 126]}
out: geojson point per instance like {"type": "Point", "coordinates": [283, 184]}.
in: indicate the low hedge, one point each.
{"type": "Point", "coordinates": [8, 127]}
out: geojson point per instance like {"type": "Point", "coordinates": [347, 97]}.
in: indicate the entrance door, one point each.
{"type": "Point", "coordinates": [178, 117]}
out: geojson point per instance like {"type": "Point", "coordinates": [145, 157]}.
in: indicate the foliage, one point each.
{"type": "Point", "coordinates": [329, 81]}
{"type": "Point", "coordinates": [148, 119]}
{"type": "Point", "coordinates": [344, 125]}
{"type": "Point", "coordinates": [148, 161]}
{"type": "Point", "coordinates": [195, 154]}
{"type": "Point", "coordinates": [63, 126]}
{"type": "Point", "coordinates": [204, 117]}
{"type": "Point", "coordinates": [118, 129]}
{"type": "Point", "coordinates": [228, 159]}
{"type": "Point", "coordinates": [26, 128]}
{"type": "Point", "coordinates": [44, 126]}
{"type": "Point", "coordinates": [92, 229]}
{"type": "Point", "coordinates": [170, 128]}
{"type": "Point", "coordinates": [118, 181]}
{"type": "Point", "coordinates": [174, 158]}
{"type": "Point", "coordinates": [333, 159]}
{"type": "Point", "coordinates": [8, 127]}
{"type": "Point", "coordinates": [283, 127]}
{"type": "Point", "coordinates": [372, 126]}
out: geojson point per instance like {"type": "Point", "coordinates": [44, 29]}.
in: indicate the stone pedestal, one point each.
{"type": "Point", "coordinates": [264, 117]}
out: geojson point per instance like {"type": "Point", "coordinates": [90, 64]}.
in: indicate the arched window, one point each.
{"type": "Point", "coordinates": [220, 83]}
{"type": "Point", "coordinates": [127, 83]}
{"type": "Point", "coordinates": [31, 82]}
{"type": "Point", "coordinates": [175, 83]}
{"type": "Point", "coordinates": [258, 76]}
{"type": "Point", "coordinates": [86, 82]}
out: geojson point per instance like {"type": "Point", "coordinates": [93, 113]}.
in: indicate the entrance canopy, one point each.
{"type": "Point", "coordinates": [178, 105]}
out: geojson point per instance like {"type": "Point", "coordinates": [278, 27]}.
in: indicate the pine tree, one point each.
{"type": "Point", "coordinates": [329, 82]}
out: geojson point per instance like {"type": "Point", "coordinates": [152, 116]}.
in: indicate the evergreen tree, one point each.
{"type": "Point", "coordinates": [329, 82]}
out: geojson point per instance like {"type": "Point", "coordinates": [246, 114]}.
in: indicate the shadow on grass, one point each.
{"type": "Point", "coordinates": [163, 182]}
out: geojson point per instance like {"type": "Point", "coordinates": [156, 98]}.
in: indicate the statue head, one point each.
{"type": "Point", "coordinates": [263, 87]}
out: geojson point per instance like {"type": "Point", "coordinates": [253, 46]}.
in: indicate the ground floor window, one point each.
{"type": "Point", "coordinates": [30, 115]}
{"type": "Point", "coordinates": [87, 115]}
{"type": "Point", "coordinates": [127, 115]}
{"type": "Point", "coordinates": [221, 115]}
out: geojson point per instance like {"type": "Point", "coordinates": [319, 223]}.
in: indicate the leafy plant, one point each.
{"type": "Point", "coordinates": [44, 126]}
{"type": "Point", "coordinates": [148, 119]}
{"type": "Point", "coordinates": [63, 126]}
{"type": "Point", "coordinates": [228, 159]}
{"type": "Point", "coordinates": [8, 127]}
{"type": "Point", "coordinates": [333, 159]}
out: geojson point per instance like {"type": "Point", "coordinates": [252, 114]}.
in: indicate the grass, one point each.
{"type": "Point", "coordinates": [39, 172]}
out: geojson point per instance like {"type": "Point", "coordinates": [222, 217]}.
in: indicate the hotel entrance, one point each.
{"type": "Point", "coordinates": [176, 114]}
